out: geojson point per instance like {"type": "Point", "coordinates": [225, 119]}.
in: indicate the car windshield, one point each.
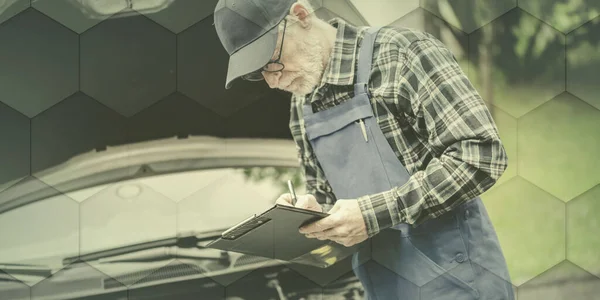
{"type": "Point", "coordinates": [135, 211]}
{"type": "Point", "coordinates": [121, 231]}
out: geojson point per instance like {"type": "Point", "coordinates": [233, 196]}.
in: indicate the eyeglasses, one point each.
{"type": "Point", "coordinates": [272, 66]}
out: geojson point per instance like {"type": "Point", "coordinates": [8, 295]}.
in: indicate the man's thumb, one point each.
{"type": "Point", "coordinates": [335, 207]}
{"type": "Point", "coordinates": [303, 202]}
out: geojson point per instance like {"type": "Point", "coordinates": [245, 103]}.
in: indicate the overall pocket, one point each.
{"type": "Point", "coordinates": [346, 151]}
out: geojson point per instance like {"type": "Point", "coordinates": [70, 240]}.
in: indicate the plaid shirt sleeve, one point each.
{"type": "Point", "coordinates": [459, 129]}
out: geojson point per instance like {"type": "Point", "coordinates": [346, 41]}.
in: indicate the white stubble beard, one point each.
{"type": "Point", "coordinates": [312, 69]}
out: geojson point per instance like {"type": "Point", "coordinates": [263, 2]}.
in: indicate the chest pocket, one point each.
{"type": "Point", "coordinates": [338, 120]}
{"type": "Point", "coordinates": [346, 146]}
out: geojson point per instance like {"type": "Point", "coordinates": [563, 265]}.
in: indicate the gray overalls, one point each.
{"type": "Point", "coordinates": [455, 256]}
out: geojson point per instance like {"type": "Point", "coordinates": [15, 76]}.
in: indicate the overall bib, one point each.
{"type": "Point", "coordinates": [454, 256]}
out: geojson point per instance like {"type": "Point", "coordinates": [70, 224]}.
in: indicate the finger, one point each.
{"type": "Point", "coordinates": [308, 201]}
{"type": "Point", "coordinates": [285, 199]}
{"type": "Point", "coordinates": [303, 202]}
{"type": "Point", "coordinates": [335, 232]}
{"type": "Point", "coordinates": [327, 234]}
{"type": "Point", "coordinates": [335, 207]}
{"type": "Point", "coordinates": [321, 225]}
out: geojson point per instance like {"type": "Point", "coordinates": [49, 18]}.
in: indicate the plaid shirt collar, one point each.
{"type": "Point", "coordinates": [340, 69]}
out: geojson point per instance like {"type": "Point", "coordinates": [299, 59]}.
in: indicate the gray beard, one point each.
{"type": "Point", "coordinates": [313, 68]}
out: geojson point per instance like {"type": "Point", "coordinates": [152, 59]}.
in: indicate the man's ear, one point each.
{"type": "Point", "coordinates": [301, 13]}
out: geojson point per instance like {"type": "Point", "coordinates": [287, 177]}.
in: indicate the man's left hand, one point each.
{"type": "Point", "coordinates": [345, 224]}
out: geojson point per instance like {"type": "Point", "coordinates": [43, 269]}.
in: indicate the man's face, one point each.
{"type": "Point", "coordinates": [303, 57]}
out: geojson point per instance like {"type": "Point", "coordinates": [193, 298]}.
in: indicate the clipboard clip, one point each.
{"type": "Point", "coordinates": [228, 231]}
{"type": "Point", "coordinates": [243, 227]}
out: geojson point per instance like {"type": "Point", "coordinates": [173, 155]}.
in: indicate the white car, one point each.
{"type": "Point", "coordinates": [130, 222]}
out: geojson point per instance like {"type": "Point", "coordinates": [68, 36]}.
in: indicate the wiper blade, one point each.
{"type": "Point", "coordinates": [161, 254]}
{"type": "Point", "coordinates": [190, 240]}
{"type": "Point", "coordinates": [25, 269]}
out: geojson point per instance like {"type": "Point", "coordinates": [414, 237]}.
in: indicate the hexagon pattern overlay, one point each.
{"type": "Point", "coordinates": [79, 77]}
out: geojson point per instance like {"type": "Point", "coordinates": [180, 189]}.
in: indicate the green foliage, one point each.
{"type": "Point", "coordinates": [278, 175]}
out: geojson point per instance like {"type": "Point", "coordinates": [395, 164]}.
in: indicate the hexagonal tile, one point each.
{"type": "Point", "coordinates": [507, 128]}
{"type": "Point", "coordinates": [468, 15]}
{"type": "Point", "coordinates": [10, 8]}
{"type": "Point", "coordinates": [7, 184]}
{"type": "Point", "coordinates": [384, 12]}
{"type": "Point", "coordinates": [558, 145]}
{"type": "Point", "coordinates": [563, 281]}
{"type": "Point", "coordinates": [78, 281]}
{"type": "Point", "coordinates": [517, 75]}
{"type": "Point", "coordinates": [392, 250]}
{"type": "Point", "coordinates": [251, 122]}
{"type": "Point", "coordinates": [34, 80]}
{"type": "Point", "coordinates": [562, 16]}
{"type": "Point", "coordinates": [325, 14]}
{"type": "Point", "coordinates": [24, 191]}
{"type": "Point", "coordinates": [188, 283]}
{"type": "Point", "coordinates": [176, 188]}
{"type": "Point", "coordinates": [438, 288]}
{"type": "Point", "coordinates": [326, 276]}
{"type": "Point", "coordinates": [227, 187]}
{"type": "Point", "coordinates": [496, 287]}
{"type": "Point", "coordinates": [11, 288]}
{"type": "Point", "coordinates": [179, 15]}
{"type": "Point", "coordinates": [232, 266]}
{"type": "Point", "coordinates": [176, 115]}
{"type": "Point", "coordinates": [78, 16]}
{"type": "Point", "coordinates": [348, 285]}
{"type": "Point", "coordinates": [51, 236]}
{"type": "Point", "coordinates": [275, 282]}
{"type": "Point", "coordinates": [15, 135]}
{"type": "Point", "coordinates": [583, 226]}
{"type": "Point", "coordinates": [195, 56]}
{"type": "Point", "coordinates": [123, 214]}
{"type": "Point", "coordinates": [382, 274]}
{"type": "Point", "coordinates": [537, 241]}
{"type": "Point", "coordinates": [456, 40]}
{"type": "Point", "coordinates": [583, 61]}
{"type": "Point", "coordinates": [77, 125]}
{"type": "Point", "coordinates": [124, 69]}
{"type": "Point", "coordinates": [340, 9]}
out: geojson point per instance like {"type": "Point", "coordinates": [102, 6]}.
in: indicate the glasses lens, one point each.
{"type": "Point", "coordinates": [273, 67]}
{"type": "Point", "coordinates": [254, 76]}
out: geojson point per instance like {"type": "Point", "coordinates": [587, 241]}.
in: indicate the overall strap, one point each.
{"type": "Point", "coordinates": [365, 57]}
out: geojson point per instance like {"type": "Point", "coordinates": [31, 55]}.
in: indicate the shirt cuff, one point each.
{"type": "Point", "coordinates": [376, 212]}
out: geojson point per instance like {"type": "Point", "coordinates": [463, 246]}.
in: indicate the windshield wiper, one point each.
{"type": "Point", "coordinates": [25, 269]}
{"type": "Point", "coordinates": [165, 254]}
{"type": "Point", "coordinates": [185, 241]}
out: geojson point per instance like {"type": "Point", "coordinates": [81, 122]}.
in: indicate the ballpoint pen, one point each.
{"type": "Point", "coordinates": [292, 192]}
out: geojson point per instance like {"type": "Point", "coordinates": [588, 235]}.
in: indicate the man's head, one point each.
{"type": "Point", "coordinates": [290, 56]}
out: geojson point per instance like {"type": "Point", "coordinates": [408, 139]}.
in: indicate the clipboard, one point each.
{"type": "Point", "coordinates": [274, 234]}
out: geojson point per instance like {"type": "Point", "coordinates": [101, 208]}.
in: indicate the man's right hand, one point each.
{"type": "Point", "coordinates": [307, 201]}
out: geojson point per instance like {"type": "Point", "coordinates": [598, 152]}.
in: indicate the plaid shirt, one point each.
{"type": "Point", "coordinates": [432, 117]}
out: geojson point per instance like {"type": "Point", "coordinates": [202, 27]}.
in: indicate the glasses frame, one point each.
{"type": "Point", "coordinates": [257, 75]}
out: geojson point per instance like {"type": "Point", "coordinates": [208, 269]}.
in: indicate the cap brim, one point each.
{"type": "Point", "coordinates": [252, 57]}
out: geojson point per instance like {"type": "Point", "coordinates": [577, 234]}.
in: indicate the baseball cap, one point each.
{"type": "Point", "coordinates": [248, 30]}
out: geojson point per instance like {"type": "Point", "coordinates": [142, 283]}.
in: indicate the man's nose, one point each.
{"type": "Point", "coordinates": [272, 78]}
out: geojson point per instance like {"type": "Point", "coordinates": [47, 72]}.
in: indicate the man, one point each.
{"type": "Point", "coordinates": [395, 143]}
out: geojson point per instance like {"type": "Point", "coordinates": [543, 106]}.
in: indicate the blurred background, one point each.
{"type": "Point", "coordinates": [80, 75]}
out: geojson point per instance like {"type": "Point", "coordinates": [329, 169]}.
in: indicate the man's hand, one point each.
{"type": "Point", "coordinates": [307, 201]}
{"type": "Point", "coordinates": [345, 224]}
